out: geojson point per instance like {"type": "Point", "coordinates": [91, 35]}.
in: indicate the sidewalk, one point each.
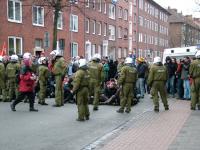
{"type": "Point", "coordinates": [156, 131]}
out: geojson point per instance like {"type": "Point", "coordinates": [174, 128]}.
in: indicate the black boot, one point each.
{"type": "Point", "coordinates": [12, 106]}
{"type": "Point", "coordinates": [33, 109]}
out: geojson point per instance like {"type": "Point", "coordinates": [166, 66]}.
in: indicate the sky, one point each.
{"type": "Point", "coordinates": [187, 7]}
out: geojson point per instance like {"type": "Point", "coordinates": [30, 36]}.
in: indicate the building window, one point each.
{"type": "Point", "coordinates": [141, 3]}
{"type": "Point", "coordinates": [135, 2]}
{"type": "Point", "coordinates": [99, 28]}
{"type": "Point", "coordinates": [140, 37]}
{"type": "Point", "coordinates": [87, 25]}
{"type": "Point", "coordinates": [14, 45]}
{"type": "Point", "coordinates": [156, 13]}
{"type": "Point", "coordinates": [155, 41]}
{"type": "Point", "coordinates": [15, 11]}
{"type": "Point", "coordinates": [87, 3]}
{"type": "Point", "coordinates": [145, 38]}
{"type": "Point", "coordinates": [99, 5]}
{"type": "Point", "coordinates": [112, 11]}
{"type": "Point", "coordinates": [134, 36]}
{"type": "Point", "coordinates": [111, 32]}
{"type": "Point", "coordinates": [105, 29]}
{"type": "Point", "coordinates": [62, 44]}
{"type": "Point", "coordinates": [93, 49]}
{"type": "Point", "coordinates": [125, 33]}
{"type": "Point", "coordinates": [145, 7]}
{"type": "Point", "coordinates": [140, 53]}
{"type": "Point", "coordinates": [38, 16]}
{"type": "Point", "coordinates": [119, 32]}
{"type": "Point", "coordinates": [93, 4]}
{"type": "Point", "coordinates": [105, 7]}
{"type": "Point", "coordinates": [46, 40]}
{"type": "Point", "coordinates": [125, 14]}
{"type": "Point", "coordinates": [119, 52]}
{"type": "Point", "coordinates": [93, 26]}
{"type": "Point", "coordinates": [120, 12]}
{"type": "Point", "coordinates": [38, 43]}
{"type": "Point", "coordinates": [60, 21]}
{"type": "Point", "coordinates": [125, 52]}
{"type": "Point", "coordinates": [74, 49]}
{"type": "Point", "coordinates": [74, 23]}
{"type": "Point", "coordinates": [135, 18]}
{"type": "Point", "coordinates": [130, 9]}
{"type": "Point", "coordinates": [99, 49]}
{"type": "Point", "coordinates": [141, 20]}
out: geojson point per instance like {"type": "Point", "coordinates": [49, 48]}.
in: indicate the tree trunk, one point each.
{"type": "Point", "coordinates": [56, 15]}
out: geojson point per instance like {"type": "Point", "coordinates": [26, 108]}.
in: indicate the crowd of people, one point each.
{"type": "Point", "coordinates": [101, 80]}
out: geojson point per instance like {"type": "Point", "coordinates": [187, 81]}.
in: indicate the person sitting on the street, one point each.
{"type": "Point", "coordinates": [110, 94]}
{"type": "Point", "coordinates": [67, 85]}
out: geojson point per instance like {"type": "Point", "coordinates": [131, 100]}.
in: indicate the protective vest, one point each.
{"type": "Point", "coordinates": [2, 71]}
{"type": "Point", "coordinates": [85, 79]}
{"type": "Point", "coordinates": [11, 70]}
{"type": "Point", "coordinates": [94, 70]}
{"type": "Point", "coordinates": [43, 73]}
{"type": "Point", "coordinates": [131, 75]}
{"type": "Point", "coordinates": [59, 67]}
{"type": "Point", "coordinates": [160, 73]}
{"type": "Point", "coordinates": [196, 69]}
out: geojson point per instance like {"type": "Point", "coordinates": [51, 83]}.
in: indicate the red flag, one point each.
{"type": "Point", "coordinates": [3, 50]}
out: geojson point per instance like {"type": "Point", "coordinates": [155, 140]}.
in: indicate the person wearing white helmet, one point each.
{"type": "Point", "coordinates": [43, 72]}
{"type": "Point", "coordinates": [2, 80]}
{"type": "Point", "coordinates": [157, 80]}
{"type": "Point", "coordinates": [27, 55]}
{"type": "Point", "coordinates": [127, 80]}
{"type": "Point", "coordinates": [194, 72]}
{"type": "Point", "coordinates": [81, 88]}
{"type": "Point", "coordinates": [12, 70]}
{"type": "Point", "coordinates": [96, 79]}
{"type": "Point", "coordinates": [59, 71]}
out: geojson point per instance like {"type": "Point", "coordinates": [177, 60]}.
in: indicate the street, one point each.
{"type": "Point", "coordinates": [57, 129]}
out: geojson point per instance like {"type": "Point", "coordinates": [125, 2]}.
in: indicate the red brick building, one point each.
{"type": "Point", "coordinates": [150, 29]}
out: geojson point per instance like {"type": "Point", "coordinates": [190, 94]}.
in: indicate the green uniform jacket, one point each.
{"type": "Point", "coordinates": [194, 70]}
{"type": "Point", "coordinates": [43, 73]}
{"type": "Point", "coordinates": [157, 73]}
{"type": "Point", "coordinates": [81, 79]}
{"type": "Point", "coordinates": [96, 71]}
{"type": "Point", "coordinates": [2, 73]}
{"type": "Point", "coordinates": [59, 67]}
{"type": "Point", "coordinates": [128, 75]}
{"type": "Point", "coordinates": [12, 69]}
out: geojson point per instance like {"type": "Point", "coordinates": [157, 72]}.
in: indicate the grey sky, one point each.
{"type": "Point", "coordinates": [187, 7]}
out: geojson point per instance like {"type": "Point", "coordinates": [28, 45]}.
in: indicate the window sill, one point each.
{"type": "Point", "coordinates": [14, 21]}
{"type": "Point", "coordinates": [38, 25]}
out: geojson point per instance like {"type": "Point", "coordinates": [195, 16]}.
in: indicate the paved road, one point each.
{"type": "Point", "coordinates": [56, 128]}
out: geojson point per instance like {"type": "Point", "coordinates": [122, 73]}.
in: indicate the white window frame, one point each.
{"type": "Point", "coordinates": [112, 11]}
{"type": "Point", "coordinates": [112, 33]}
{"type": "Point", "coordinates": [105, 29]}
{"type": "Point", "coordinates": [14, 15]}
{"type": "Point", "coordinates": [94, 26]}
{"type": "Point", "coordinates": [14, 37]}
{"type": "Point", "coordinates": [37, 24]}
{"type": "Point", "coordinates": [119, 32]}
{"type": "Point", "coordinates": [105, 7]}
{"type": "Point", "coordinates": [73, 43]}
{"type": "Point", "coordinates": [87, 23]}
{"type": "Point", "coordinates": [99, 3]}
{"type": "Point", "coordinates": [125, 14]}
{"type": "Point", "coordinates": [99, 28]}
{"type": "Point", "coordinates": [73, 18]}
{"type": "Point", "coordinates": [120, 12]}
{"type": "Point", "coordinates": [60, 18]}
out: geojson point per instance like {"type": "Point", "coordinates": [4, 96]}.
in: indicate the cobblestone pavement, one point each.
{"type": "Point", "coordinates": [157, 131]}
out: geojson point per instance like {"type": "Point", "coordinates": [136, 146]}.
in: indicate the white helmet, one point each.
{"type": "Point", "coordinates": [41, 59]}
{"type": "Point", "coordinates": [156, 60]}
{"type": "Point", "coordinates": [82, 62]}
{"type": "Point", "coordinates": [1, 58]}
{"type": "Point", "coordinates": [96, 56]}
{"type": "Point", "coordinates": [128, 60]}
{"type": "Point", "coordinates": [197, 55]}
{"type": "Point", "coordinates": [27, 55]}
{"type": "Point", "coordinates": [56, 53]}
{"type": "Point", "coordinates": [14, 58]}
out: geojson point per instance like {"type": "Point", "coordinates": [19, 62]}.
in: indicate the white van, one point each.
{"type": "Point", "coordinates": [180, 52]}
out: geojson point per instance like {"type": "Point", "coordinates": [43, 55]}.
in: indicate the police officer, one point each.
{"type": "Point", "coordinates": [58, 70]}
{"type": "Point", "coordinates": [127, 80]}
{"type": "Point", "coordinates": [157, 80]}
{"type": "Point", "coordinates": [81, 89]}
{"type": "Point", "coordinates": [12, 69]}
{"type": "Point", "coordinates": [96, 78]}
{"type": "Point", "coordinates": [194, 72]}
{"type": "Point", "coordinates": [43, 77]}
{"type": "Point", "coordinates": [2, 80]}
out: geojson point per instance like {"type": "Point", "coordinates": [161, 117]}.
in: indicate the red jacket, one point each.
{"type": "Point", "coordinates": [26, 84]}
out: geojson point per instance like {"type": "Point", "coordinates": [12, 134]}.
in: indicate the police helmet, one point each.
{"type": "Point", "coordinates": [128, 60]}
{"type": "Point", "coordinates": [156, 60]}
